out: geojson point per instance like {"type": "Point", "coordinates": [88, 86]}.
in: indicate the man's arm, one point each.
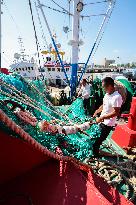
{"type": "Point", "coordinates": [98, 111]}
{"type": "Point", "coordinates": [115, 113]}
{"type": "Point", "coordinates": [80, 92]}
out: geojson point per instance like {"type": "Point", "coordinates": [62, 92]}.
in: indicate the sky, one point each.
{"type": "Point", "coordinates": [119, 38]}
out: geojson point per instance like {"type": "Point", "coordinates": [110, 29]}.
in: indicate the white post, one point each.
{"type": "Point", "coordinates": [75, 32]}
{"type": "Point", "coordinates": [75, 44]}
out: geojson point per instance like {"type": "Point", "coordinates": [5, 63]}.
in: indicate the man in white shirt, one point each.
{"type": "Point", "coordinates": [110, 109]}
{"type": "Point", "coordinates": [85, 93]}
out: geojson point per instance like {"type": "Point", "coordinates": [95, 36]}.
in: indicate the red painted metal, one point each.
{"type": "Point", "coordinates": [16, 157]}
{"type": "Point", "coordinates": [25, 171]}
{"type": "Point", "coordinates": [125, 135]}
{"type": "Point", "coordinates": [4, 70]}
{"type": "Point", "coordinates": [132, 116]}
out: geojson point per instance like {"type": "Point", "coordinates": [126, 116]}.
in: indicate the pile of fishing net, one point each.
{"type": "Point", "coordinates": [31, 96]}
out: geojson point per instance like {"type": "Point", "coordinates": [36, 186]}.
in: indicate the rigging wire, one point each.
{"type": "Point", "coordinates": [88, 16]}
{"type": "Point", "coordinates": [98, 2]}
{"type": "Point", "coordinates": [53, 41]}
{"type": "Point", "coordinates": [42, 31]}
{"type": "Point", "coordinates": [35, 33]}
{"type": "Point", "coordinates": [60, 6]}
{"type": "Point", "coordinates": [98, 36]}
{"type": "Point", "coordinates": [12, 18]}
{"type": "Point", "coordinates": [46, 44]}
{"type": "Point", "coordinates": [69, 1]}
{"type": "Point", "coordinates": [104, 30]}
{"type": "Point", "coordinates": [63, 12]}
{"type": "Point", "coordinates": [70, 14]}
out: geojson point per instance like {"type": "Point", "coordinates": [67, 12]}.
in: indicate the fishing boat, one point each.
{"type": "Point", "coordinates": [50, 167]}
{"type": "Point", "coordinates": [24, 65]}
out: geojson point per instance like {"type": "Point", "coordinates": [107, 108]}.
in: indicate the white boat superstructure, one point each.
{"type": "Point", "coordinates": [26, 69]}
{"type": "Point", "coordinates": [24, 65]}
{"type": "Point", "coordinates": [54, 74]}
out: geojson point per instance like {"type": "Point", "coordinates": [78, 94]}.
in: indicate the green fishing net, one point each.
{"type": "Point", "coordinates": [77, 145]}
{"type": "Point", "coordinates": [74, 145]}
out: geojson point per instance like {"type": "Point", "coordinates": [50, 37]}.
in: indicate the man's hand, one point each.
{"type": "Point", "coordinates": [99, 119]}
{"type": "Point", "coordinates": [79, 95]}
{"type": "Point", "coordinates": [94, 115]}
{"type": "Point", "coordinates": [98, 111]}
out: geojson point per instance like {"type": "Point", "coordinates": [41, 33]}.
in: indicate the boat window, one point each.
{"type": "Point", "coordinates": [32, 68]}
{"type": "Point", "coordinates": [58, 69]}
{"type": "Point", "coordinates": [16, 69]}
{"type": "Point", "coordinates": [49, 69]}
{"type": "Point", "coordinates": [53, 69]}
{"type": "Point", "coordinates": [23, 69]}
{"type": "Point", "coordinates": [67, 69]}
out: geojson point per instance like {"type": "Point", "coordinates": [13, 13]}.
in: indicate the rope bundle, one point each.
{"type": "Point", "coordinates": [121, 89]}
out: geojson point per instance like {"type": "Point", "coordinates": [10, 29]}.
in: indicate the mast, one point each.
{"type": "Point", "coordinates": [77, 8]}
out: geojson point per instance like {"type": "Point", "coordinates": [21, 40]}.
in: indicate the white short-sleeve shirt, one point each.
{"type": "Point", "coordinates": [85, 90]}
{"type": "Point", "coordinates": [109, 103]}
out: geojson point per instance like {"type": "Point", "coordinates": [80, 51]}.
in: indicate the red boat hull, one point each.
{"type": "Point", "coordinates": [27, 174]}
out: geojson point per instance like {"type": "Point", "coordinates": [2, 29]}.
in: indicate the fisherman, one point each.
{"type": "Point", "coordinates": [63, 98]}
{"type": "Point", "coordinates": [109, 110]}
{"type": "Point", "coordinates": [84, 92]}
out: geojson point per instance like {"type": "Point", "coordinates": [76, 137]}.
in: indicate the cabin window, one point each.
{"type": "Point", "coordinates": [32, 68]}
{"type": "Point", "coordinates": [58, 69]}
{"type": "Point", "coordinates": [53, 69]}
{"type": "Point", "coordinates": [23, 69]}
{"type": "Point", "coordinates": [49, 69]}
{"type": "Point", "coordinates": [67, 69]}
{"type": "Point", "coordinates": [16, 69]}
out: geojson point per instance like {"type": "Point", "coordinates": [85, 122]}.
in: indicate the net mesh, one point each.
{"type": "Point", "coordinates": [31, 95]}
{"type": "Point", "coordinates": [74, 145]}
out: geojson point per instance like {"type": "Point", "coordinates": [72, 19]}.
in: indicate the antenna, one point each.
{"type": "Point", "coordinates": [21, 55]}
{"type": "Point", "coordinates": [22, 49]}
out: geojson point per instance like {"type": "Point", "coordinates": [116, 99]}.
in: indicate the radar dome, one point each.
{"type": "Point", "coordinates": [17, 55]}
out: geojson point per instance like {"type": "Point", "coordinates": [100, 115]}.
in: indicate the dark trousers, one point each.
{"type": "Point", "coordinates": [86, 104]}
{"type": "Point", "coordinates": [105, 130]}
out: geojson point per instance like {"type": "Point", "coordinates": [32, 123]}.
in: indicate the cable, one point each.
{"type": "Point", "coordinates": [43, 36]}
{"type": "Point", "coordinates": [88, 16]}
{"type": "Point", "coordinates": [60, 6]}
{"type": "Point", "coordinates": [45, 41]}
{"type": "Point", "coordinates": [53, 41]}
{"type": "Point", "coordinates": [98, 2]}
{"type": "Point", "coordinates": [63, 12]}
{"type": "Point", "coordinates": [36, 38]}
{"type": "Point", "coordinates": [105, 26]}
{"type": "Point", "coordinates": [108, 13]}
{"type": "Point", "coordinates": [12, 18]}
{"type": "Point", "coordinates": [69, 10]}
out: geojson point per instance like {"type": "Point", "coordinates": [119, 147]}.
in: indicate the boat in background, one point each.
{"type": "Point", "coordinates": [24, 65]}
